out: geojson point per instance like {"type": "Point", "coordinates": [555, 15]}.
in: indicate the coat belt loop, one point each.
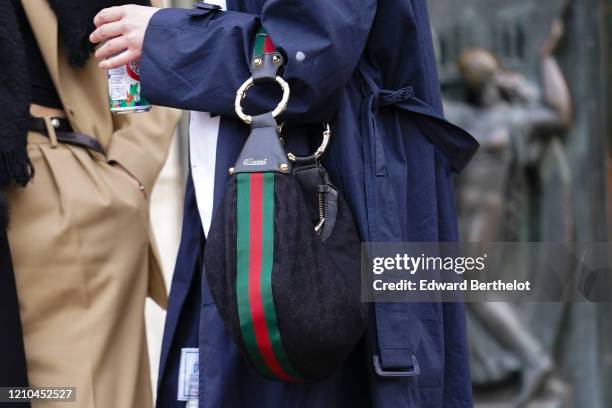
{"type": "Point", "coordinates": [377, 150]}
{"type": "Point", "coordinates": [398, 336]}
{"type": "Point", "coordinates": [51, 132]}
{"type": "Point", "coordinates": [395, 97]}
{"type": "Point", "coordinates": [369, 127]}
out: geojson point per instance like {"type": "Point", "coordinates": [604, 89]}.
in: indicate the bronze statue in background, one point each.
{"type": "Point", "coordinates": [510, 118]}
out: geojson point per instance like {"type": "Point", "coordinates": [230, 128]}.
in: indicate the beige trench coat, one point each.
{"type": "Point", "coordinates": [81, 242]}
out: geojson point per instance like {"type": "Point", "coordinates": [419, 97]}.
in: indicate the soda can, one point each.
{"type": "Point", "coordinates": [124, 89]}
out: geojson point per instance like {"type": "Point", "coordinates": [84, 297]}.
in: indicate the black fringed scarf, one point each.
{"type": "Point", "coordinates": [75, 23]}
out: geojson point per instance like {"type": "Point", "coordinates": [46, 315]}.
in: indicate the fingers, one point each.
{"type": "Point", "coordinates": [107, 31]}
{"type": "Point", "coordinates": [123, 29]}
{"type": "Point", "coordinates": [109, 15]}
{"type": "Point", "coordinates": [125, 57]}
{"type": "Point", "coordinates": [112, 47]}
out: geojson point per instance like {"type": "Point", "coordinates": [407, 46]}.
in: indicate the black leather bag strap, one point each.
{"type": "Point", "coordinates": [263, 150]}
{"type": "Point", "coordinates": [266, 60]}
{"type": "Point", "coordinates": [265, 65]}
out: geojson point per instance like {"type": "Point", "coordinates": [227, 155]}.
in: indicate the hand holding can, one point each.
{"type": "Point", "coordinates": [122, 28]}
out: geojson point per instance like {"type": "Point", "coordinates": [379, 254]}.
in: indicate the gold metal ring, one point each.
{"type": "Point", "coordinates": [241, 94]}
{"type": "Point", "coordinates": [319, 152]}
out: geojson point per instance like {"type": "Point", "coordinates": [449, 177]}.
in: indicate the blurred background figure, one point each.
{"type": "Point", "coordinates": [83, 254]}
{"type": "Point", "coordinates": [510, 71]}
{"type": "Point", "coordinates": [507, 117]}
{"type": "Point", "coordinates": [510, 120]}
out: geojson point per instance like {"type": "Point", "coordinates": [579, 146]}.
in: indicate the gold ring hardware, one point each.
{"type": "Point", "coordinates": [319, 152]}
{"type": "Point", "coordinates": [241, 94]}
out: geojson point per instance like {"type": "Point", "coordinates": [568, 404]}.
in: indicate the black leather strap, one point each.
{"type": "Point", "coordinates": [59, 124]}
{"type": "Point", "coordinates": [80, 140]}
{"type": "Point", "coordinates": [64, 133]}
{"type": "Point", "coordinates": [266, 60]}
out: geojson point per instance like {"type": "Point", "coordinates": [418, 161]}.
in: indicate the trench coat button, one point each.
{"type": "Point", "coordinates": [55, 122]}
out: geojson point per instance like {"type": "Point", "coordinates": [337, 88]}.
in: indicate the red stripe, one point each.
{"type": "Point", "coordinates": [255, 253]}
{"type": "Point", "coordinates": [269, 46]}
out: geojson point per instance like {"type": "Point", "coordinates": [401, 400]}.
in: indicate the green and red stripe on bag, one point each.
{"type": "Point", "coordinates": [254, 262]}
{"type": "Point", "coordinates": [288, 294]}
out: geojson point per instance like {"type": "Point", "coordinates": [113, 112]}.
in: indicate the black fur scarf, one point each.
{"type": "Point", "coordinates": [75, 23]}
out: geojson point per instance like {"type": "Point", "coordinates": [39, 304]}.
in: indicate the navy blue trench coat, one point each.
{"type": "Point", "coordinates": [368, 68]}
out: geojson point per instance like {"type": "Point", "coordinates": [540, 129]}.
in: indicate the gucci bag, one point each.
{"type": "Point", "coordinates": [283, 255]}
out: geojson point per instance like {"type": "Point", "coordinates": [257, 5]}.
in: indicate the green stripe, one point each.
{"type": "Point", "coordinates": [243, 196]}
{"type": "Point", "coordinates": [260, 38]}
{"type": "Point", "coordinates": [266, 275]}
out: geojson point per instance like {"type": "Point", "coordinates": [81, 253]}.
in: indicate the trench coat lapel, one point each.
{"type": "Point", "coordinates": [44, 25]}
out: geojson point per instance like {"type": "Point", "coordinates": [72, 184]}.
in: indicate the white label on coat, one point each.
{"type": "Point", "coordinates": [189, 374]}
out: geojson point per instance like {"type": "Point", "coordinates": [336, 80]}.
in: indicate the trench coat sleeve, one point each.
{"type": "Point", "coordinates": [140, 142]}
{"type": "Point", "coordinates": [197, 59]}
